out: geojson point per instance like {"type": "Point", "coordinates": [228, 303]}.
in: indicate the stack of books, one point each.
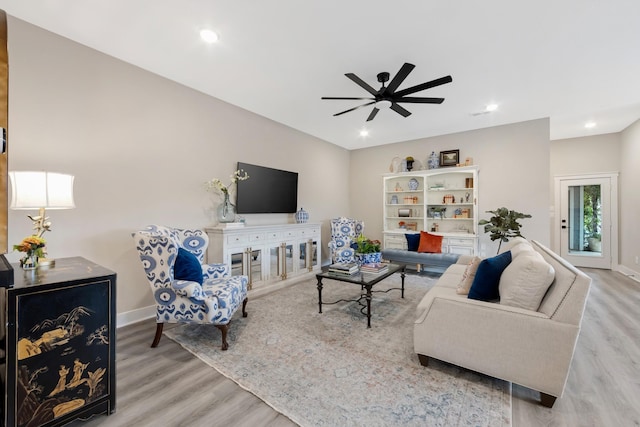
{"type": "Point", "coordinates": [346, 268]}
{"type": "Point", "coordinates": [374, 268]}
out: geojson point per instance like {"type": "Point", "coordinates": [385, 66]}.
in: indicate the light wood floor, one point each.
{"type": "Point", "coordinates": [167, 386]}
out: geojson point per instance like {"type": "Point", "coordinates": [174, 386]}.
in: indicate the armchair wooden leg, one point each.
{"type": "Point", "coordinates": [424, 360]}
{"type": "Point", "coordinates": [244, 307]}
{"type": "Point", "coordinates": [547, 400]}
{"type": "Point", "coordinates": [224, 329]}
{"type": "Point", "coordinates": [156, 339]}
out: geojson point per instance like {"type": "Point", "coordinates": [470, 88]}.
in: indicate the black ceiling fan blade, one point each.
{"type": "Point", "coordinates": [414, 100]}
{"type": "Point", "coordinates": [373, 113]}
{"type": "Point", "coordinates": [355, 108]}
{"type": "Point", "coordinates": [423, 86]}
{"type": "Point", "coordinates": [399, 78]}
{"type": "Point", "coordinates": [398, 109]}
{"type": "Point", "coordinates": [346, 98]}
{"type": "Point", "coordinates": [362, 83]}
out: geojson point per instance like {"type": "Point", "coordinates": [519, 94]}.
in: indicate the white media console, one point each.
{"type": "Point", "coordinates": [272, 256]}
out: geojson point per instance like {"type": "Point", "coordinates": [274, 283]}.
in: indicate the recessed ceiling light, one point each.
{"type": "Point", "coordinates": [209, 36]}
{"type": "Point", "coordinates": [590, 125]}
{"type": "Point", "coordinates": [492, 107]}
{"type": "Point", "coordinates": [364, 133]}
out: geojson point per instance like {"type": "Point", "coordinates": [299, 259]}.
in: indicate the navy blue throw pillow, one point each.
{"type": "Point", "coordinates": [413, 241]}
{"type": "Point", "coordinates": [485, 284]}
{"type": "Point", "coordinates": [187, 267]}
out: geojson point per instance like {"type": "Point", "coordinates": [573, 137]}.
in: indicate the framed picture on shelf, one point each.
{"type": "Point", "coordinates": [411, 226]}
{"type": "Point", "coordinates": [449, 158]}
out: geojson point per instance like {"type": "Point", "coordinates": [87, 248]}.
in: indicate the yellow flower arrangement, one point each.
{"type": "Point", "coordinates": [31, 245]}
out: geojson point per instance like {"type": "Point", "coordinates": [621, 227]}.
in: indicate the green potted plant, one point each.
{"type": "Point", "coordinates": [503, 225]}
{"type": "Point", "coordinates": [367, 250]}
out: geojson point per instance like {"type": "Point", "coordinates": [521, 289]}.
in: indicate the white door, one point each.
{"type": "Point", "coordinates": [587, 221]}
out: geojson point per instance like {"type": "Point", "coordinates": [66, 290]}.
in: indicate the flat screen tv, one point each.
{"type": "Point", "coordinates": [267, 190]}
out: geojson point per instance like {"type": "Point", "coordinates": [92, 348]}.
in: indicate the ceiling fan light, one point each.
{"type": "Point", "coordinates": [208, 36]}
{"type": "Point", "coordinates": [383, 104]}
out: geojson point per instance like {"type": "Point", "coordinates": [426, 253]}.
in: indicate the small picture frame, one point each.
{"type": "Point", "coordinates": [449, 158]}
{"type": "Point", "coordinates": [412, 226]}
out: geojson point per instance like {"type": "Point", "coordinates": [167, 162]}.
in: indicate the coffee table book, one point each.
{"type": "Point", "coordinates": [344, 267]}
{"type": "Point", "coordinates": [376, 267]}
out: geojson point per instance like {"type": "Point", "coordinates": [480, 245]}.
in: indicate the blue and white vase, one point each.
{"type": "Point", "coordinates": [434, 161]}
{"type": "Point", "coordinates": [370, 258]}
{"type": "Point", "coordinates": [302, 216]}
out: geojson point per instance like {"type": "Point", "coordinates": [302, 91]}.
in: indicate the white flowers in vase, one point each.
{"type": "Point", "coordinates": [217, 185]}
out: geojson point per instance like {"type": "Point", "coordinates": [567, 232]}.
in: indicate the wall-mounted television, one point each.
{"type": "Point", "coordinates": [267, 190]}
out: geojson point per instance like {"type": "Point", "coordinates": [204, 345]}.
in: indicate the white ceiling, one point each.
{"type": "Point", "coordinates": [570, 60]}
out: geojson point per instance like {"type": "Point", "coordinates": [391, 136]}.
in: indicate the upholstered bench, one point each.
{"type": "Point", "coordinates": [432, 262]}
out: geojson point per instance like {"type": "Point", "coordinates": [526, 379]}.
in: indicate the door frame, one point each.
{"type": "Point", "coordinates": [613, 230]}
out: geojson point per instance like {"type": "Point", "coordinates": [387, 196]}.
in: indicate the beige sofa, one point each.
{"type": "Point", "coordinates": [526, 347]}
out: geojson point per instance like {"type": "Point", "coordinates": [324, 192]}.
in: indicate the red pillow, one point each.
{"type": "Point", "coordinates": [430, 243]}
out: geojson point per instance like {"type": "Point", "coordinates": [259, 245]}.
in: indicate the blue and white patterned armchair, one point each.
{"type": "Point", "coordinates": [212, 302]}
{"type": "Point", "coordinates": [344, 232]}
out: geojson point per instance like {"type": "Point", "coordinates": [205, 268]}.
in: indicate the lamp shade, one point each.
{"type": "Point", "coordinates": [35, 190]}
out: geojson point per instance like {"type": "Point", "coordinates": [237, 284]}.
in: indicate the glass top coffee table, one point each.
{"type": "Point", "coordinates": [366, 282]}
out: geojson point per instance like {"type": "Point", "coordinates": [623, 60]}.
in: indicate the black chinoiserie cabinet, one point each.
{"type": "Point", "coordinates": [60, 343]}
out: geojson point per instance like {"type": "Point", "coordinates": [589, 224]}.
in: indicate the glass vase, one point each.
{"type": "Point", "coordinates": [226, 210]}
{"type": "Point", "coordinates": [29, 262]}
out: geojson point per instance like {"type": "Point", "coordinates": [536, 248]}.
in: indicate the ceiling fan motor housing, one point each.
{"type": "Point", "coordinates": [383, 77]}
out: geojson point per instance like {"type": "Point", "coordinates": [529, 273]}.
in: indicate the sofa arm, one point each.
{"type": "Point", "coordinates": [215, 270]}
{"type": "Point", "coordinates": [521, 346]}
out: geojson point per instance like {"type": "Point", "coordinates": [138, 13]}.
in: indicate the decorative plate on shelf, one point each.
{"type": "Point", "coordinates": [413, 184]}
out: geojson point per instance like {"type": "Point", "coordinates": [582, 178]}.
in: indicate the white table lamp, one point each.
{"type": "Point", "coordinates": [41, 190]}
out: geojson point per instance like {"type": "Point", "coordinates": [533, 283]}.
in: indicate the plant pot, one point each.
{"type": "Point", "coordinates": [595, 245]}
{"type": "Point", "coordinates": [368, 258]}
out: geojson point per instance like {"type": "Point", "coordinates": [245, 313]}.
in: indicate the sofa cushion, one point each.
{"type": "Point", "coordinates": [468, 276]}
{"type": "Point", "coordinates": [187, 267]}
{"type": "Point", "coordinates": [513, 242]}
{"type": "Point", "coordinates": [413, 241]}
{"type": "Point", "coordinates": [521, 248]}
{"type": "Point", "coordinates": [485, 284]}
{"type": "Point", "coordinates": [430, 243]}
{"type": "Point", "coordinates": [525, 281]}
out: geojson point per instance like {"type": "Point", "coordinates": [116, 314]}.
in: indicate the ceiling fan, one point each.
{"type": "Point", "coordinates": [388, 97]}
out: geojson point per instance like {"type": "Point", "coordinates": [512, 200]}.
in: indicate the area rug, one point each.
{"type": "Point", "coordinates": [330, 370]}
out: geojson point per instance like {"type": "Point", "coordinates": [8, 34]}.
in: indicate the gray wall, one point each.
{"type": "Point", "coordinates": [141, 147]}
{"type": "Point", "coordinates": [615, 152]}
{"type": "Point", "coordinates": [630, 198]}
{"type": "Point", "coordinates": [514, 172]}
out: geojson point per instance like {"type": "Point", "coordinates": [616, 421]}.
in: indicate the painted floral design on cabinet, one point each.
{"type": "Point", "coordinates": [62, 351]}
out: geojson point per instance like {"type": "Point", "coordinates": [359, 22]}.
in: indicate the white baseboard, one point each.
{"type": "Point", "coordinates": [144, 313]}
{"type": "Point", "coordinates": [632, 274]}
{"type": "Point", "coordinates": [135, 316]}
